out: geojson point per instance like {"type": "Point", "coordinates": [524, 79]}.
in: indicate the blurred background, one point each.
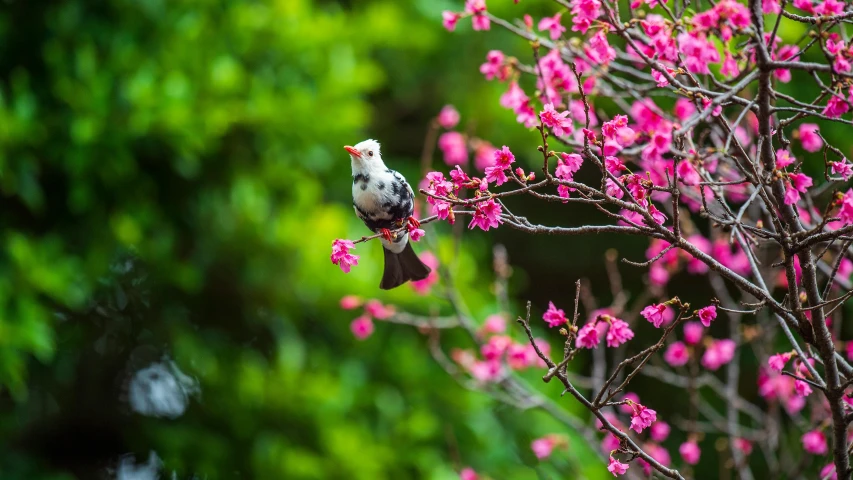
{"type": "Point", "coordinates": [172, 179]}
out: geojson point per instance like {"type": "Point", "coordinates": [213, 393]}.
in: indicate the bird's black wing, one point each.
{"type": "Point", "coordinates": [401, 205]}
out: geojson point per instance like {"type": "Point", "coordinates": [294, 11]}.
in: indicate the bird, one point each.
{"type": "Point", "coordinates": [383, 200]}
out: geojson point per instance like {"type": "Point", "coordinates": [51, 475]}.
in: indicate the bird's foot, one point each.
{"type": "Point", "coordinates": [386, 234]}
{"type": "Point", "coordinates": [414, 222]}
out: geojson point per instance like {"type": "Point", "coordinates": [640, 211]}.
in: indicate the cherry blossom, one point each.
{"type": "Point", "coordinates": [809, 138]}
{"type": "Point", "coordinates": [654, 314]}
{"type": "Point", "coordinates": [588, 336]}
{"type": "Point", "coordinates": [553, 26]}
{"type": "Point", "coordinates": [362, 327]}
{"type": "Point", "coordinates": [487, 216]}
{"type": "Point", "coordinates": [616, 467]}
{"type": "Point", "coordinates": [350, 302]}
{"type": "Point", "coordinates": [777, 362]}
{"type": "Point", "coordinates": [719, 353]}
{"type": "Point", "coordinates": [707, 315]}
{"type": "Point", "coordinates": [448, 117]}
{"type": "Point", "coordinates": [468, 473]}
{"type": "Point", "coordinates": [642, 417]}
{"type": "Point", "coordinates": [554, 316]}
{"type": "Point", "coordinates": [341, 256]}
{"type": "Point", "coordinates": [659, 431]}
{"type": "Point", "coordinates": [814, 442]}
{"type": "Point", "coordinates": [454, 148]}
{"type": "Point", "coordinates": [618, 333]}
{"type": "Point", "coordinates": [557, 121]}
{"type": "Point", "coordinates": [422, 287]}
{"type": "Point", "coordinates": [690, 452]}
{"type": "Point", "coordinates": [676, 354]}
{"type": "Point", "coordinates": [693, 332]}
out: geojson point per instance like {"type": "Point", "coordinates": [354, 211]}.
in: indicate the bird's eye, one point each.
{"type": "Point", "coordinates": [370, 153]}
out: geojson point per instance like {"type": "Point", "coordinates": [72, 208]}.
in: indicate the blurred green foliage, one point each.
{"type": "Point", "coordinates": [172, 179]}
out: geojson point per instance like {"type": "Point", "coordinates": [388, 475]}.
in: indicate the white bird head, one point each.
{"type": "Point", "coordinates": [365, 156]}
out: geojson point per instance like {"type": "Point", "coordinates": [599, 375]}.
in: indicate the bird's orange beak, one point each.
{"type": "Point", "coordinates": [352, 151]}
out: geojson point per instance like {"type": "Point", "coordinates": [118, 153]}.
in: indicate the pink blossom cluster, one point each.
{"type": "Point", "coordinates": [476, 9]}
{"type": "Point", "coordinates": [341, 255]}
{"type": "Point", "coordinates": [601, 324]}
{"type": "Point", "coordinates": [498, 350]}
{"type": "Point", "coordinates": [362, 326]}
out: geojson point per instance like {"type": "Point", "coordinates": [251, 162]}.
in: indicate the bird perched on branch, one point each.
{"type": "Point", "coordinates": [383, 200]}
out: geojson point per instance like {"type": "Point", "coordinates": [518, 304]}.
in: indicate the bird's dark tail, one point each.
{"type": "Point", "coordinates": [402, 267]}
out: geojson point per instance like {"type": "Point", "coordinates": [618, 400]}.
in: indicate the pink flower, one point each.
{"type": "Point", "coordinates": [341, 256]}
{"type": "Point", "coordinates": [478, 8]}
{"type": "Point", "coordinates": [693, 332]}
{"type": "Point", "coordinates": [799, 183]}
{"type": "Point", "coordinates": [846, 212]}
{"type": "Point", "coordinates": [448, 117]}
{"type": "Point", "coordinates": [375, 309]}
{"type": "Point", "coordinates": [616, 467]}
{"type": "Point", "coordinates": [830, 8]}
{"type": "Point", "coordinates": [618, 333]}
{"type": "Point", "coordinates": [567, 165]}
{"type": "Point", "coordinates": [494, 66]}
{"type": "Point", "coordinates": [655, 314]}
{"type": "Point", "coordinates": [459, 177]}
{"type": "Point", "coordinates": [699, 52]}
{"type": "Point", "coordinates": [362, 327]}
{"type": "Point", "coordinates": [422, 287]}
{"type": "Point", "coordinates": [599, 50]}
{"type": "Point", "coordinates": [676, 354]}
{"type": "Point", "coordinates": [554, 316]}
{"type": "Point", "coordinates": [614, 165]}
{"type": "Point", "coordinates": [588, 336]}
{"type": "Point", "coordinates": [449, 19]}
{"type": "Point", "coordinates": [784, 158]}
{"type": "Point", "coordinates": [777, 362]}
{"type": "Point", "coordinates": [543, 447]}
{"type": "Point", "coordinates": [552, 24]}
{"type": "Point", "coordinates": [657, 215]}
{"type": "Point", "coordinates": [350, 302]}
{"type": "Point", "coordinates": [659, 431]}
{"type": "Point", "coordinates": [486, 371]}
{"type": "Point", "coordinates": [707, 315]}
{"type": "Point", "coordinates": [690, 452]}
{"type": "Point", "coordinates": [719, 353]}
{"type": "Point", "coordinates": [814, 442]}
{"type": "Point", "coordinates": [802, 388]}
{"type": "Point", "coordinates": [609, 442]}
{"type": "Point", "coordinates": [468, 473]}
{"type": "Point", "coordinates": [687, 173]}
{"type": "Point", "coordinates": [487, 216]}
{"type": "Point", "coordinates": [628, 408]}
{"type": "Point", "coordinates": [828, 472]}
{"type": "Point", "coordinates": [504, 157]}
{"type": "Point", "coordinates": [743, 445]}
{"type": "Point", "coordinates": [809, 138]}
{"type": "Point", "coordinates": [642, 418]}
{"type": "Point", "coordinates": [805, 5]}
{"type": "Point", "coordinates": [729, 68]}
{"type": "Point", "coordinates": [842, 168]}
{"type": "Point", "coordinates": [484, 155]}
{"type": "Point", "coordinates": [514, 97]}
{"type": "Point", "coordinates": [415, 234]}
{"type": "Point", "coordinates": [836, 107]}
{"type": "Point", "coordinates": [494, 324]}
{"type": "Point", "coordinates": [495, 347]}
{"type": "Point", "coordinates": [454, 148]}
{"type": "Point", "coordinates": [496, 175]}
{"type": "Point", "coordinates": [557, 121]}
